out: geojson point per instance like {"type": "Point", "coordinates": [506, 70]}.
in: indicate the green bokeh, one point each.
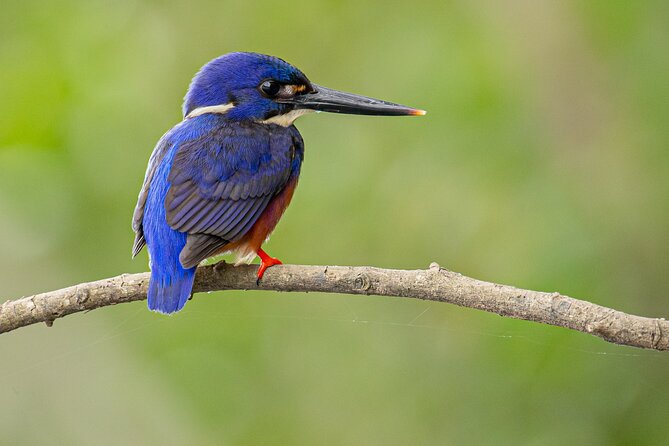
{"type": "Point", "coordinates": [543, 163]}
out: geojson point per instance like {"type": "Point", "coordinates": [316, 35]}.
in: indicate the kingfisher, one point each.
{"type": "Point", "coordinates": [220, 180]}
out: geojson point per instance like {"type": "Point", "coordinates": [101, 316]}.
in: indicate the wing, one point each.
{"type": "Point", "coordinates": [158, 154]}
{"type": "Point", "coordinates": [221, 184]}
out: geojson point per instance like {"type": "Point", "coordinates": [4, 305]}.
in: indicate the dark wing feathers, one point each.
{"type": "Point", "coordinates": [199, 247]}
{"type": "Point", "coordinates": [243, 228]}
{"type": "Point", "coordinates": [220, 187]}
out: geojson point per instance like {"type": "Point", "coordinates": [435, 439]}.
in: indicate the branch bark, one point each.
{"type": "Point", "coordinates": [435, 283]}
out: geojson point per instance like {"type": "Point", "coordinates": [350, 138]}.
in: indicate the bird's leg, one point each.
{"type": "Point", "coordinates": [265, 262]}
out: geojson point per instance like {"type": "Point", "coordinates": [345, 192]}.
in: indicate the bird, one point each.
{"type": "Point", "coordinates": [220, 180]}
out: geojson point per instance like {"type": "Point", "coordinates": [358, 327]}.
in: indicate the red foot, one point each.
{"type": "Point", "coordinates": [266, 262]}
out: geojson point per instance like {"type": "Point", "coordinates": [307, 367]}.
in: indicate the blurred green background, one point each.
{"type": "Point", "coordinates": [543, 163]}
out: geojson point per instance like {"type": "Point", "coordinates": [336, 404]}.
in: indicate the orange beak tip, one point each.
{"type": "Point", "coordinates": [418, 112]}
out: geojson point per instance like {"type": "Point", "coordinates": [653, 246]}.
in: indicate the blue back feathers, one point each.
{"type": "Point", "coordinates": [170, 284]}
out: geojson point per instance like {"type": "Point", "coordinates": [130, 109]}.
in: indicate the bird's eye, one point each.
{"type": "Point", "coordinates": [270, 88]}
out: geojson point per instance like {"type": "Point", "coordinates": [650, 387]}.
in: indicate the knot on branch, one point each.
{"type": "Point", "coordinates": [362, 282]}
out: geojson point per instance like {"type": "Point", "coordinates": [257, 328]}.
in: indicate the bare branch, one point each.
{"type": "Point", "coordinates": [434, 284]}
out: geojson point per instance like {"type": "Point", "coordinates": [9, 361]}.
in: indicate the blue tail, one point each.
{"type": "Point", "coordinates": [169, 290]}
{"type": "Point", "coordinates": [171, 284]}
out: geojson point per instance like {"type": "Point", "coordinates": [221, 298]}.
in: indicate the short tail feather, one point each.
{"type": "Point", "coordinates": [169, 290]}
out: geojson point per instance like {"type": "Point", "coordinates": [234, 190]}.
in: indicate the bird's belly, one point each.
{"type": "Point", "coordinates": [247, 247]}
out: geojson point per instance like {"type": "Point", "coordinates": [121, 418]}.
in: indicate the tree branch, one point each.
{"type": "Point", "coordinates": [434, 284]}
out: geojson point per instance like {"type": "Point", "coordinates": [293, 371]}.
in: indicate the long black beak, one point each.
{"type": "Point", "coordinates": [333, 101]}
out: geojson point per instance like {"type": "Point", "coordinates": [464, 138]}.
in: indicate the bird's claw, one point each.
{"type": "Point", "coordinates": [266, 262]}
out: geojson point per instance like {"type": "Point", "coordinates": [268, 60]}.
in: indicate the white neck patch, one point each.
{"type": "Point", "coordinates": [287, 119]}
{"type": "Point", "coordinates": [221, 109]}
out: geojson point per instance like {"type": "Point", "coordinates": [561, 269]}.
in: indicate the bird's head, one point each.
{"type": "Point", "coordinates": [261, 88]}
